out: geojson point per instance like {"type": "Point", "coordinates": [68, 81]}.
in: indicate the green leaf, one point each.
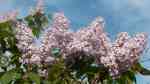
{"type": "Point", "coordinates": [37, 23]}
{"type": "Point", "coordinates": [46, 82]}
{"type": "Point", "coordinates": [127, 77]}
{"type": "Point", "coordinates": [9, 76]}
{"type": "Point", "coordinates": [36, 32]}
{"type": "Point", "coordinates": [34, 77]}
{"type": "Point", "coordinates": [55, 51]}
{"type": "Point", "coordinates": [130, 76]}
{"type": "Point", "coordinates": [121, 80]}
{"type": "Point", "coordinates": [59, 74]}
{"type": "Point", "coordinates": [145, 71]}
{"type": "Point", "coordinates": [140, 69]}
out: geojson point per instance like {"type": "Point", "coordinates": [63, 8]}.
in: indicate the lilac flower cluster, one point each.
{"type": "Point", "coordinates": [57, 36]}
{"type": "Point", "coordinates": [126, 51]}
{"type": "Point", "coordinates": [92, 40]}
{"type": "Point", "coordinates": [30, 52]}
{"type": "Point", "coordinates": [87, 39]}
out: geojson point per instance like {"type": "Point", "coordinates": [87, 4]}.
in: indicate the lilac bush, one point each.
{"type": "Point", "coordinates": [92, 42]}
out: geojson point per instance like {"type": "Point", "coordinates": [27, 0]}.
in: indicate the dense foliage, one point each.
{"type": "Point", "coordinates": [78, 68]}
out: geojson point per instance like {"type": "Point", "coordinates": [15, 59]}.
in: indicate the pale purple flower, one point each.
{"type": "Point", "coordinates": [60, 22]}
{"type": "Point", "coordinates": [127, 50]}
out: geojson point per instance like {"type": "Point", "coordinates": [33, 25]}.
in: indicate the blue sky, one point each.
{"type": "Point", "coordinates": [120, 15]}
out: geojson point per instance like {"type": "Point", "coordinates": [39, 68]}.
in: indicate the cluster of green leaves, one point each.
{"type": "Point", "coordinates": [78, 70]}
{"type": "Point", "coordinates": [37, 22]}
